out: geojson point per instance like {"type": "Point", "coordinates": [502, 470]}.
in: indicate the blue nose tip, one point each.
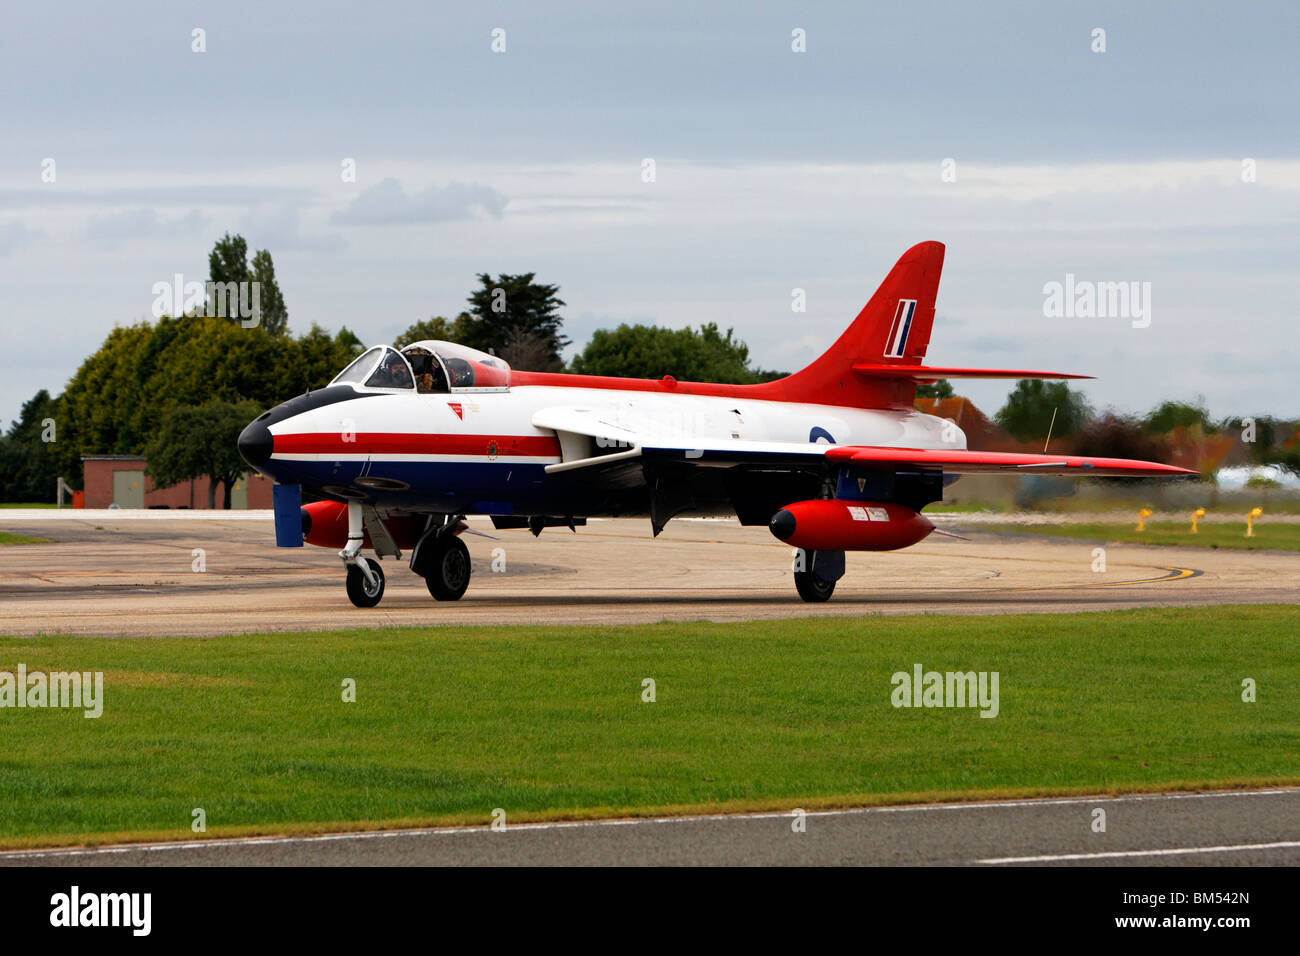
{"type": "Point", "coordinates": [255, 444]}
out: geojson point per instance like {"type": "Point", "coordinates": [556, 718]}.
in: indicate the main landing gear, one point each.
{"type": "Point", "coordinates": [815, 574]}
{"type": "Point", "coordinates": [442, 559]}
{"type": "Point", "coordinates": [447, 570]}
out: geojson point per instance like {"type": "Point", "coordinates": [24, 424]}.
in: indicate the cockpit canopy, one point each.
{"type": "Point", "coordinates": [426, 366]}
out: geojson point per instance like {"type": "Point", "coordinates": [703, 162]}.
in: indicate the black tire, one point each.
{"type": "Point", "coordinates": [359, 591]}
{"type": "Point", "coordinates": [812, 588]}
{"type": "Point", "coordinates": [449, 569]}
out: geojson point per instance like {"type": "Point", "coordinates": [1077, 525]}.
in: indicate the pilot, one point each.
{"type": "Point", "coordinates": [392, 374]}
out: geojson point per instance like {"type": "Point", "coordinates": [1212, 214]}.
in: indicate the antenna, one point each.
{"type": "Point", "coordinates": [1050, 426]}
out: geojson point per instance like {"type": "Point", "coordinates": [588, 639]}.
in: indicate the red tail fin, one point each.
{"type": "Point", "coordinates": [892, 328]}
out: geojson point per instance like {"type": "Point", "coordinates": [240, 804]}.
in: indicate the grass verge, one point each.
{"type": "Point", "coordinates": [1267, 537]}
{"type": "Point", "coordinates": [7, 537]}
{"type": "Point", "coordinates": [550, 722]}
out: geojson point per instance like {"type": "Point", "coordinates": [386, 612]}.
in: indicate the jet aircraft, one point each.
{"type": "Point", "coordinates": [402, 445]}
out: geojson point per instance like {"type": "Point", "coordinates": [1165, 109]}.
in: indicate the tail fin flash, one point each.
{"type": "Point", "coordinates": [893, 328]}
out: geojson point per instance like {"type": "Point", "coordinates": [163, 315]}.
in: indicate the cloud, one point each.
{"type": "Point", "coordinates": [388, 204]}
{"type": "Point", "coordinates": [14, 235]}
{"type": "Point", "coordinates": [144, 223]}
{"type": "Point", "coordinates": [278, 227]}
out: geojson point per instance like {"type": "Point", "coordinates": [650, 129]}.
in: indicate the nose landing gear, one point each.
{"type": "Point", "coordinates": [365, 581]}
{"type": "Point", "coordinates": [363, 591]}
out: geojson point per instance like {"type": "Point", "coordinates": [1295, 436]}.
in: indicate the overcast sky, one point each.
{"type": "Point", "coordinates": [775, 170]}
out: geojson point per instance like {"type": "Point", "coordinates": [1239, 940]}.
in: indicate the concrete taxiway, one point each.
{"type": "Point", "coordinates": [1228, 828]}
{"type": "Point", "coordinates": [179, 573]}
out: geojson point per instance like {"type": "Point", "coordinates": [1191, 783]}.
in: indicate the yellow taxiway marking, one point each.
{"type": "Point", "coordinates": [1175, 574]}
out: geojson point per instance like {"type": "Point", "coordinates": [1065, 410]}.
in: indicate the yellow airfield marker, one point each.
{"type": "Point", "coordinates": [1250, 521]}
{"type": "Point", "coordinates": [1198, 513]}
{"type": "Point", "coordinates": [1142, 518]}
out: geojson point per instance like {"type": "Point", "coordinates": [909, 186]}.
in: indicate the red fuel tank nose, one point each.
{"type": "Point", "coordinates": [830, 524]}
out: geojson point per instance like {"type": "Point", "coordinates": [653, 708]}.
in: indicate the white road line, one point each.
{"type": "Point", "coordinates": [217, 842]}
{"type": "Point", "coordinates": [1122, 853]}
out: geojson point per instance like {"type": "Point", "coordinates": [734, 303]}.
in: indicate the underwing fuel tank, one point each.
{"type": "Point", "coordinates": [325, 524]}
{"type": "Point", "coordinates": [829, 524]}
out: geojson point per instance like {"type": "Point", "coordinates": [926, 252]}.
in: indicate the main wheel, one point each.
{"type": "Point", "coordinates": [449, 569]}
{"type": "Point", "coordinates": [812, 588]}
{"type": "Point", "coordinates": [360, 591]}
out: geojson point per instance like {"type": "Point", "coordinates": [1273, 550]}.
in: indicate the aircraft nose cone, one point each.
{"type": "Point", "coordinates": [782, 525]}
{"type": "Point", "coordinates": [255, 444]}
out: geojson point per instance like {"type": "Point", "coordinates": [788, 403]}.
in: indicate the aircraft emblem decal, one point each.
{"type": "Point", "coordinates": [458, 409]}
{"type": "Point", "coordinates": [897, 340]}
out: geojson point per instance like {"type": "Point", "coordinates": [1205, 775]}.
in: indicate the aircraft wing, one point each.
{"type": "Point", "coordinates": [963, 462]}
{"type": "Point", "coordinates": [591, 439]}
{"type": "Point", "coordinates": [954, 461]}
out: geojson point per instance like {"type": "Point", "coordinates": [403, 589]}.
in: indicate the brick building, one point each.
{"type": "Point", "coordinates": [120, 480]}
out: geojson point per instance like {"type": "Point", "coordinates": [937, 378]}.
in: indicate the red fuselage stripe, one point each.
{"type": "Point", "coordinates": [400, 443]}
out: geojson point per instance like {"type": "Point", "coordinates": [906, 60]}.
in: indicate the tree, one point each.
{"type": "Point", "coordinates": [275, 317]}
{"type": "Point", "coordinates": [508, 307]}
{"type": "Point", "coordinates": [28, 468]}
{"type": "Point", "coordinates": [649, 351]}
{"type": "Point", "coordinates": [198, 441]}
{"type": "Point", "coordinates": [939, 389]}
{"type": "Point", "coordinates": [1027, 415]}
{"type": "Point", "coordinates": [1167, 416]}
{"type": "Point", "coordinates": [435, 327]}
{"type": "Point", "coordinates": [1112, 435]}
{"type": "Point", "coordinates": [116, 401]}
{"type": "Point", "coordinates": [228, 262]}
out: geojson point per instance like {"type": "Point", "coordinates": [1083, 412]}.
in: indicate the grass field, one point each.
{"type": "Point", "coordinates": [27, 504]}
{"type": "Point", "coordinates": [1276, 537]}
{"type": "Point", "coordinates": [9, 538]}
{"type": "Point", "coordinates": [549, 722]}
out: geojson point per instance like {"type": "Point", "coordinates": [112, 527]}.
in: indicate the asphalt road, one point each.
{"type": "Point", "coordinates": [118, 574]}
{"type": "Point", "coordinates": [1237, 828]}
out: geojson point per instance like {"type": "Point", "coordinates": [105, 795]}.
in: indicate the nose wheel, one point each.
{"type": "Point", "coordinates": [365, 592]}
{"type": "Point", "coordinates": [448, 569]}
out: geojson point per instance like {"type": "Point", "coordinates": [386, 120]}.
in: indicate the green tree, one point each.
{"type": "Point", "coordinates": [116, 401]}
{"type": "Point", "coordinates": [1167, 416]}
{"type": "Point", "coordinates": [513, 309]}
{"type": "Point", "coordinates": [28, 467]}
{"type": "Point", "coordinates": [1112, 435]}
{"type": "Point", "coordinates": [1028, 413]}
{"type": "Point", "coordinates": [197, 441]}
{"type": "Point", "coordinates": [228, 262]}
{"type": "Point", "coordinates": [435, 327]}
{"type": "Point", "coordinates": [275, 317]}
{"type": "Point", "coordinates": [649, 351]}
{"type": "Point", "coordinates": [346, 339]}
{"type": "Point", "coordinates": [939, 389]}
